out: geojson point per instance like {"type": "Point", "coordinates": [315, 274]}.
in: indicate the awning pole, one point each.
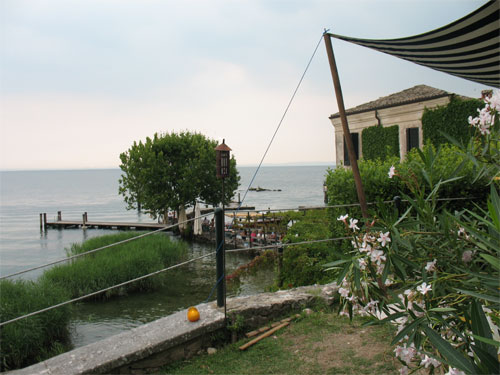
{"type": "Point", "coordinates": [345, 127]}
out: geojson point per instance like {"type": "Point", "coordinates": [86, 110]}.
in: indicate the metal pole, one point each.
{"type": "Point", "coordinates": [345, 127]}
{"type": "Point", "coordinates": [224, 249]}
{"type": "Point", "coordinates": [219, 255]}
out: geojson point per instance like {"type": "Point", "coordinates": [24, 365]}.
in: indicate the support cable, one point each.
{"type": "Point", "coordinates": [163, 270]}
{"type": "Point", "coordinates": [106, 289]}
{"type": "Point", "coordinates": [282, 118]}
{"type": "Point", "coordinates": [201, 216]}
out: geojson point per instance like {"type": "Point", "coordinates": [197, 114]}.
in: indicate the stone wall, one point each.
{"type": "Point", "coordinates": [148, 347]}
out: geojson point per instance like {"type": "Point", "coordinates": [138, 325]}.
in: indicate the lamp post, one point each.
{"type": "Point", "coordinates": [222, 157]}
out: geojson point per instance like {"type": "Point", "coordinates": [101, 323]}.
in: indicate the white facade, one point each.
{"type": "Point", "coordinates": [404, 115]}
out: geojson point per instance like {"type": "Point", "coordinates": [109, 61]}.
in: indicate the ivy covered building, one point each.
{"type": "Point", "coordinates": [392, 125]}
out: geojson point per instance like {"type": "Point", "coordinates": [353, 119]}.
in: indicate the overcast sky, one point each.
{"type": "Point", "coordinates": [82, 80]}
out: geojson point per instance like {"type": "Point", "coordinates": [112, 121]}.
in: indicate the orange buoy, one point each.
{"type": "Point", "coordinates": [193, 314]}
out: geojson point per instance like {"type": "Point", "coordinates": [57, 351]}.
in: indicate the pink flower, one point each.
{"type": "Point", "coordinates": [377, 256]}
{"type": "Point", "coordinates": [344, 292]}
{"type": "Point", "coordinates": [362, 264]}
{"type": "Point", "coordinates": [428, 361]}
{"type": "Point", "coordinates": [384, 237]}
{"type": "Point", "coordinates": [467, 256]}
{"type": "Point", "coordinates": [494, 101]}
{"type": "Point", "coordinates": [404, 370]}
{"type": "Point", "coordinates": [454, 371]}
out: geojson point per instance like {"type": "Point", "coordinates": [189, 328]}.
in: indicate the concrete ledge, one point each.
{"type": "Point", "coordinates": [153, 345]}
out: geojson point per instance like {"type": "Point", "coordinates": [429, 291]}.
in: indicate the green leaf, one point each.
{"type": "Point", "coordinates": [337, 262]}
{"type": "Point", "coordinates": [487, 341]}
{"type": "Point", "coordinates": [485, 297]}
{"type": "Point", "coordinates": [407, 330]}
{"type": "Point", "coordinates": [495, 262]}
{"type": "Point", "coordinates": [454, 357]}
{"type": "Point", "coordinates": [481, 327]}
{"type": "Point", "coordinates": [442, 309]}
{"type": "Point", "coordinates": [488, 362]}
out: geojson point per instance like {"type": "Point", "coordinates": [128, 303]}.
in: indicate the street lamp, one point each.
{"type": "Point", "coordinates": [222, 155]}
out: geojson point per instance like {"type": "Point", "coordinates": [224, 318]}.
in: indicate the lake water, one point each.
{"type": "Point", "coordinates": [26, 194]}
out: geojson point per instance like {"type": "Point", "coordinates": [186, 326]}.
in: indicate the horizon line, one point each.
{"type": "Point", "coordinates": [290, 164]}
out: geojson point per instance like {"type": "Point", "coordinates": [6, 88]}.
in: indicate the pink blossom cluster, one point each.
{"type": "Point", "coordinates": [486, 118]}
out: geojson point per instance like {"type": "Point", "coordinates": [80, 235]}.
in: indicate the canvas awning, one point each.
{"type": "Point", "coordinates": [468, 48]}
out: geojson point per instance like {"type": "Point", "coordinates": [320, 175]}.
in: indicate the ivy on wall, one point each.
{"type": "Point", "coordinates": [379, 142]}
{"type": "Point", "coordinates": [450, 119]}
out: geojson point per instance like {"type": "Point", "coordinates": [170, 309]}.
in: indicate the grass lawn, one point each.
{"type": "Point", "coordinates": [320, 343]}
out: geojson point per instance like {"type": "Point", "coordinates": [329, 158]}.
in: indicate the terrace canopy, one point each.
{"type": "Point", "coordinates": [468, 48]}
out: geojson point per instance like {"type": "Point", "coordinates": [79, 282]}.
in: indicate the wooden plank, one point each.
{"type": "Point", "coordinates": [263, 336]}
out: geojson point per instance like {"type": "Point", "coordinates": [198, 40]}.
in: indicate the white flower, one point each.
{"type": "Point", "coordinates": [380, 269]}
{"type": "Point", "coordinates": [344, 292]}
{"type": "Point", "coordinates": [362, 264]}
{"type": "Point", "coordinates": [343, 217]}
{"type": "Point", "coordinates": [454, 371]}
{"type": "Point", "coordinates": [424, 288]}
{"type": "Point", "coordinates": [377, 256]}
{"type": "Point", "coordinates": [428, 361]}
{"type": "Point", "coordinates": [406, 354]}
{"type": "Point", "coordinates": [467, 256]}
{"type": "Point", "coordinates": [404, 370]}
{"type": "Point", "coordinates": [392, 171]}
{"type": "Point", "coordinates": [431, 266]}
{"type": "Point", "coordinates": [494, 101]}
{"type": "Point", "coordinates": [384, 237]}
{"type": "Point", "coordinates": [352, 224]}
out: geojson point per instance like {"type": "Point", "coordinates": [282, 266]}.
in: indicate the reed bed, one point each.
{"type": "Point", "coordinates": [33, 339]}
{"type": "Point", "coordinates": [117, 264]}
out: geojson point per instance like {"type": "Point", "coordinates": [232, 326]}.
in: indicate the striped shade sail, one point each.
{"type": "Point", "coordinates": [468, 48]}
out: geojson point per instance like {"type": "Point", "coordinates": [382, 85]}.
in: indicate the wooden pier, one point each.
{"type": "Point", "coordinates": [103, 225]}
{"type": "Point", "coordinates": [84, 223]}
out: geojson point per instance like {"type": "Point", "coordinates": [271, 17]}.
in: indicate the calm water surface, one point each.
{"type": "Point", "coordinates": [24, 195]}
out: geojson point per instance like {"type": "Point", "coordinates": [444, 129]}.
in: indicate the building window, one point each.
{"type": "Point", "coordinates": [411, 138]}
{"type": "Point", "coordinates": [355, 141]}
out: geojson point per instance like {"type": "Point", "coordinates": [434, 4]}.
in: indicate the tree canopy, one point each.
{"type": "Point", "coordinates": [173, 170]}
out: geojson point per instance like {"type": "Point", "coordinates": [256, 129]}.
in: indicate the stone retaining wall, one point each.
{"type": "Point", "coordinates": [153, 345]}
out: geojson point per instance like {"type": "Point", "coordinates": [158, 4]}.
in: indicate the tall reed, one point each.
{"type": "Point", "coordinates": [116, 264]}
{"type": "Point", "coordinates": [35, 338]}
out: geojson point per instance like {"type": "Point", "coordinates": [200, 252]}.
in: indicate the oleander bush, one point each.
{"type": "Point", "coordinates": [431, 271]}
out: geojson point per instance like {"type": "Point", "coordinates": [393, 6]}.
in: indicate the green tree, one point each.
{"type": "Point", "coordinates": [173, 170]}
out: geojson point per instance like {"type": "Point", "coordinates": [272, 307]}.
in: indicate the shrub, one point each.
{"type": "Point", "coordinates": [302, 264]}
{"type": "Point", "coordinates": [448, 162]}
{"type": "Point", "coordinates": [380, 143]}
{"type": "Point", "coordinates": [116, 265]}
{"type": "Point", "coordinates": [35, 338]}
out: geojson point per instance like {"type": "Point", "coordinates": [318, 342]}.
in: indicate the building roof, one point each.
{"type": "Point", "coordinates": [412, 95]}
